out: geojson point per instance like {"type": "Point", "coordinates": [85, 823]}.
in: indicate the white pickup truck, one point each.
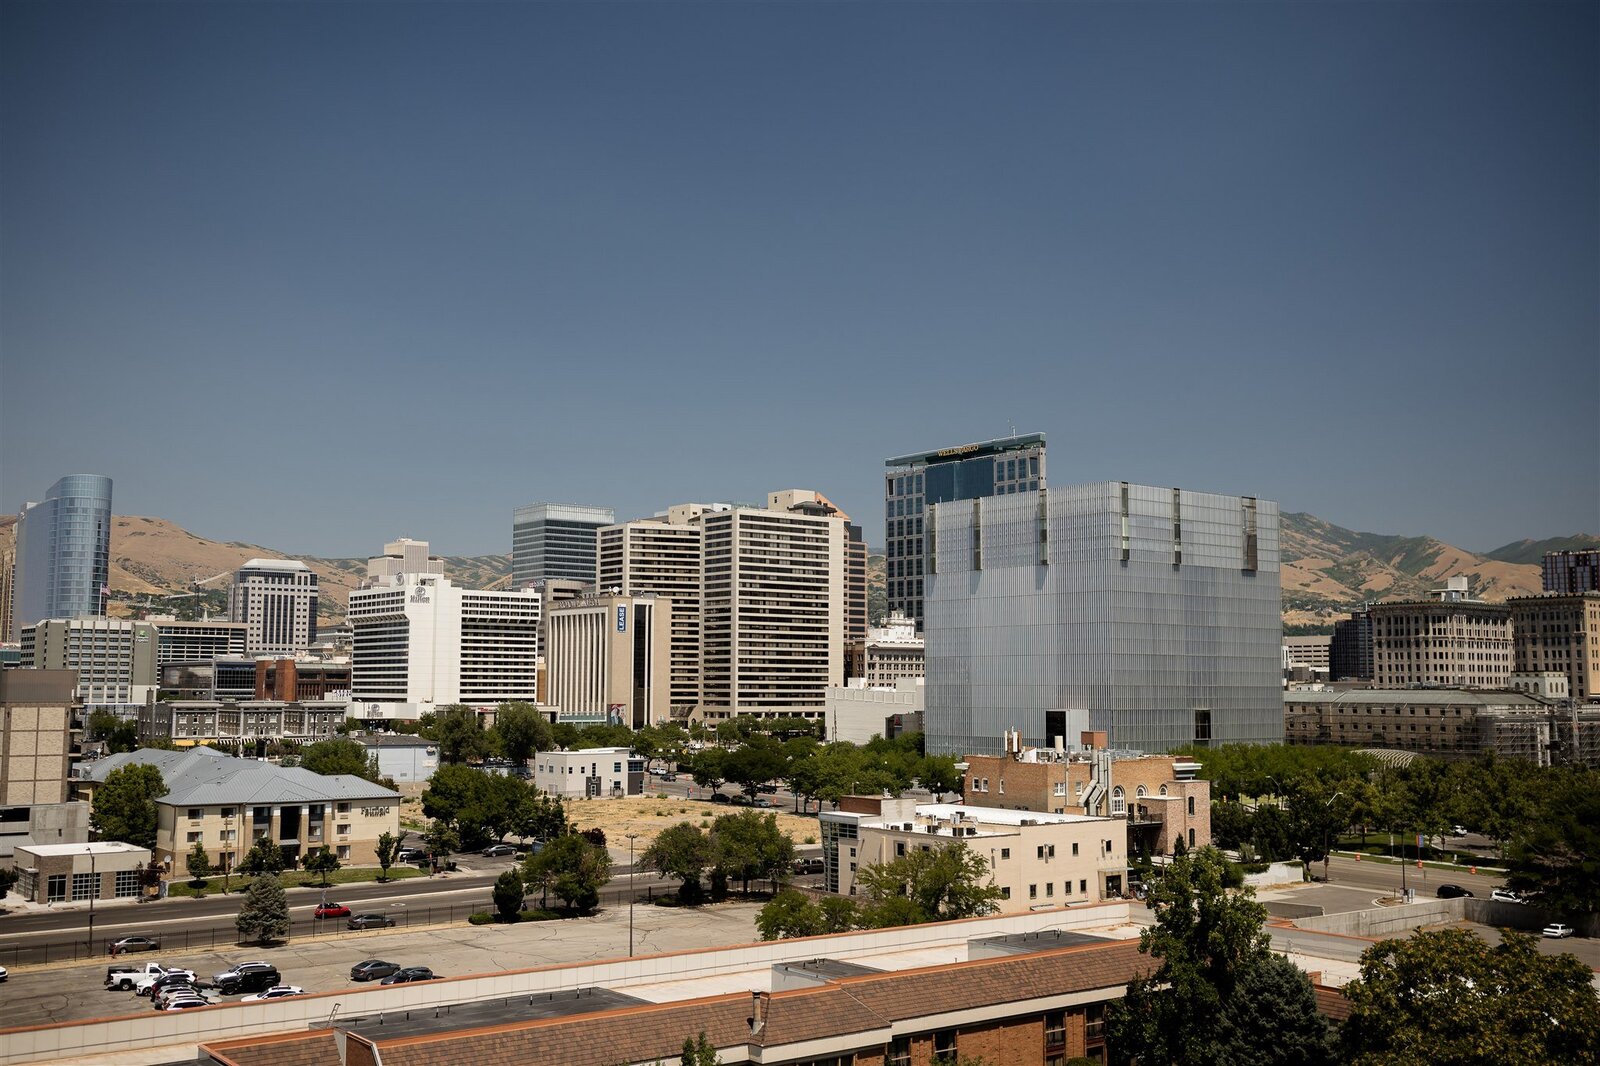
{"type": "Point", "coordinates": [124, 978]}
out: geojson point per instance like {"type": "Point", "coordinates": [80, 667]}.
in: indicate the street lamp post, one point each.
{"type": "Point", "coordinates": [1327, 837]}
{"type": "Point", "coordinates": [631, 838]}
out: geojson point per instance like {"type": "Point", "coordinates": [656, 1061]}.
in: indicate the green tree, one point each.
{"type": "Point", "coordinates": [1204, 1003]}
{"type": "Point", "coordinates": [573, 869]}
{"type": "Point", "coordinates": [323, 862]}
{"type": "Point", "coordinates": [565, 735]}
{"type": "Point", "coordinates": [754, 764]}
{"type": "Point", "coordinates": [684, 852]}
{"type": "Point", "coordinates": [748, 846]}
{"type": "Point", "coordinates": [787, 915]}
{"type": "Point", "coordinates": [697, 1051]}
{"type": "Point", "coordinates": [458, 732]}
{"type": "Point", "coordinates": [8, 880]}
{"type": "Point", "coordinates": [1446, 996]}
{"type": "Point", "coordinates": [942, 883]}
{"type": "Point", "coordinates": [124, 806]}
{"type": "Point", "coordinates": [264, 857]}
{"type": "Point", "coordinates": [522, 730]}
{"type": "Point", "coordinates": [387, 851]}
{"type": "Point", "coordinates": [508, 889]}
{"type": "Point", "coordinates": [265, 914]}
{"type": "Point", "coordinates": [198, 863]}
{"type": "Point", "coordinates": [1558, 853]}
{"type": "Point", "coordinates": [340, 755]}
{"type": "Point", "coordinates": [705, 766]}
{"type": "Point", "coordinates": [118, 733]}
{"type": "Point", "coordinates": [468, 799]}
{"type": "Point", "coordinates": [540, 817]}
{"type": "Point", "coordinates": [441, 839]}
{"type": "Point", "coordinates": [938, 774]}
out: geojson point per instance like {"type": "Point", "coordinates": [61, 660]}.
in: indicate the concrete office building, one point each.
{"type": "Point", "coordinates": [661, 555]}
{"type": "Point", "coordinates": [1450, 640]}
{"type": "Point", "coordinates": [889, 653]}
{"type": "Point", "coordinates": [210, 679]}
{"type": "Point", "coordinates": [420, 643]}
{"type": "Point", "coordinates": [63, 553]}
{"type": "Point", "coordinates": [1152, 613]}
{"type": "Point", "coordinates": [1311, 653]}
{"type": "Point", "coordinates": [115, 658]}
{"type": "Point", "coordinates": [609, 658]}
{"type": "Point", "coordinates": [555, 540]}
{"type": "Point", "coordinates": [1571, 573]}
{"type": "Point", "coordinates": [1559, 634]}
{"type": "Point", "coordinates": [182, 642]}
{"type": "Point", "coordinates": [917, 481]}
{"type": "Point", "coordinates": [277, 600]}
{"type": "Point", "coordinates": [772, 609]}
{"type": "Point", "coordinates": [1037, 859]}
{"type": "Point", "coordinates": [401, 557]}
{"type": "Point", "coordinates": [39, 718]}
{"type": "Point", "coordinates": [1444, 722]}
{"type": "Point", "coordinates": [589, 773]}
{"type": "Point", "coordinates": [1350, 651]}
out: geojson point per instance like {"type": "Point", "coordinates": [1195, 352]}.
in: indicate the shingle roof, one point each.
{"type": "Point", "coordinates": [203, 777]}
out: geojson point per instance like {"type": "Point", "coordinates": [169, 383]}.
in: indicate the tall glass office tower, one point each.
{"type": "Point", "coordinates": [1151, 613]}
{"type": "Point", "coordinates": [63, 552]}
{"type": "Point", "coordinates": [999, 467]}
{"type": "Point", "coordinates": [556, 540]}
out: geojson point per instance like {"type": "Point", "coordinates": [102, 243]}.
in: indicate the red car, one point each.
{"type": "Point", "coordinates": [331, 910]}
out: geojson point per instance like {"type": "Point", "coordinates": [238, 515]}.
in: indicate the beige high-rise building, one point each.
{"type": "Point", "coordinates": [37, 711]}
{"type": "Point", "coordinates": [1452, 641]}
{"type": "Point", "coordinates": [115, 658]}
{"type": "Point", "coordinates": [609, 659]}
{"type": "Point", "coordinates": [1559, 634]}
{"type": "Point", "coordinates": [772, 608]}
{"type": "Point", "coordinates": [661, 555]}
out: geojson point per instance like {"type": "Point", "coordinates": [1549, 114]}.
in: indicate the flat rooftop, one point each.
{"type": "Point", "coordinates": [98, 847]}
{"type": "Point", "coordinates": [967, 451]}
{"type": "Point", "coordinates": [426, 1021]}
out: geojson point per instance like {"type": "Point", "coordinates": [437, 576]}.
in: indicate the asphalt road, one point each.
{"type": "Point", "coordinates": [1386, 877]}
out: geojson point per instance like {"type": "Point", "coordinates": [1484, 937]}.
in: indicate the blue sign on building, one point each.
{"type": "Point", "coordinates": [622, 618]}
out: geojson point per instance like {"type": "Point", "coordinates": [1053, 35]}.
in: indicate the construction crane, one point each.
{"type": "Point", "coordinates": [195, 584]}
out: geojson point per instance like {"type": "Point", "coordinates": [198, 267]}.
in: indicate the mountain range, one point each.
{"type": "Point", "coordinates": [1326, 569]}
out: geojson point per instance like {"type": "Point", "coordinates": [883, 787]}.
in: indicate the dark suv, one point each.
{"type": "Point", "coordinates": [1451, 892]}
{"type": "Point", "coordinates": [251, 980]}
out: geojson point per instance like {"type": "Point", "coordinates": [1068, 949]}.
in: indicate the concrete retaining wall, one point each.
{"type": "Point", "coordinates": [1383, 922]}
{"type": "Point", "coordinates": [79, 1040]}
{"type": "Point", "coordinates": [1278, 873]}
{"type": "Point", "coordinates": [1279, 909]}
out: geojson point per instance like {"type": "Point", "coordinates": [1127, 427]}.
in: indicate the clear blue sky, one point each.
{"type": "Point", "coordinates": [318, 275]}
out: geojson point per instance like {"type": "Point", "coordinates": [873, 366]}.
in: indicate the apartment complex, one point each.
{"type": "Point", "coordinates": [1152, 611]}
{"type": "Point", "coordinates": [609, 658]}
{"type": "Point", "coordinates": [238, 726]}
{"type": "Point", "coordinates": [1037, 859]}
{"type": "Point", "coordinates": [277, 601]}
{"type": "Point", "coordinates": [1451, 640]}
{"type": "Point", "coordinates": [1559, 634]}
{"type": "Point", "coordinates": [182, 642]}
{"type": "Point", "coordinates": [1350, 651]}
{"type": "Point", "coordinates": [62, 567]}
{"type": "Point", "coordinates": [38, 726]}
{"type": "Point", "coordinates": [1165, 807]}
{"type": "Point", "coordinates": [772, 610]}
{"type": "Point", "coordinates": [1571, 573]}
{"type": "Point", "coordinates": [227, 804]}
{"type": "Point", "coordinates": [917, 481]}
{"type": "Point", "coordinates": [661, 555]}
{"type": "Point", "coordinates": [555, 540]}
{"type": "Point", "coordinates": [419, 642]}
{"type": "Point", "coordinates": [115, 658]}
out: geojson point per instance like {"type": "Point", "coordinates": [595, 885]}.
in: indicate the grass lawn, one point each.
{"type": "Point", "coordinates": [293, 879]}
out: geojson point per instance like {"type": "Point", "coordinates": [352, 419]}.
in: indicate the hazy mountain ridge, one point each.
{"type": "Point", "coordinates": [1532, 551]}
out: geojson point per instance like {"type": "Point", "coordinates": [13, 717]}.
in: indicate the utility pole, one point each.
{"type": "Point", "coordinates": [631, 838]}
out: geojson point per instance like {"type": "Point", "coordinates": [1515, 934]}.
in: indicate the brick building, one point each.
{"type": "Point", "coordinates": [61, 873]}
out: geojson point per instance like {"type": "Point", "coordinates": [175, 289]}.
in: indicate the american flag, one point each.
{"type": "Point", "coordinates": [105, 590]}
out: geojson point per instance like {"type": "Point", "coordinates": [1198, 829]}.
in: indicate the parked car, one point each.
{"type": "Point", "coordinates": [186, 1003]}
{"type": "Point", "coordinates": [370, 921]}
{"type": "Point", "coordinates": [235, 970]}
{"type": "Point", "coordinates": [669, 776]}
{"type": "Point", "coordinates": [151, 985]}
{"type": "Point", "coordinates": [1505, 895]}
{"type": "Point", "coordinates": [276, 992]}
{"type": "Point", "coordinates": [181, 990]}
{"type": "Point", "coordinates": [741, 800]}
{"type": "Point", "coordinates": [331, 910]}
{"type": "Point", "coordinates": [721, 797]}
{"type": "Point", "coordinates": [1451, 892]}
{"type": "Point", "coordinates": [4, 973]}
{"type": "Point", "coordinates": [808, 866]}
{"type": "Point", "coordinates": [497, 851]}
{"type": "Point", "coordinates": [123, 978]}
{"type": "Point", "coordinates": [1558, 931]}
{"type": "Point", "coordinates": [409, 974]}
{"type": "Point", "coordinates": [133, 943]}
{"type": "Point", "coordinates": [410, 855]}
{"type": "Point", "coordinates": [767, 789]}
{"type": "Point", "coordinates": [250, 981]}
{"type": "Point", "coordinates": [1458, 831]}
{"type": "Point", "coordinates": [372, 969]}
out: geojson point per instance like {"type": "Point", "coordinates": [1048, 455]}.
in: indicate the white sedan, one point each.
{"type": "Point", "coordinates": [277, 992]}
{"type": "Point", "coordinates": [1558, 931]}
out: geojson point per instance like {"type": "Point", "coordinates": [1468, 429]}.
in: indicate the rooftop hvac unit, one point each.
{"type": "Point", "coordinates": [1030, 821]}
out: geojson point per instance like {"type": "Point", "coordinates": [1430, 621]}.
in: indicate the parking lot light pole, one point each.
{"type": "Point", "coordinates": [631, 838]}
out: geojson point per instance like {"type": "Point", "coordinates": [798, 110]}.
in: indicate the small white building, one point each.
{"type": "Point", "coordinates": [403, 758]}
{"type": "Point", "coordinates": [856, 712]}
{"type": "Point", "coordinates": [589, 773]}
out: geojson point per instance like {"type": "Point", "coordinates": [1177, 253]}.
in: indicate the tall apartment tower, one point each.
{"type": "Point", "coordinates": [772, 609]}
{"type": "Point", "coordinates": [555, 540]}
{"type": "Point", "coordinates": [1572, 573]}
{"type": "Point", "coordinates": [661, 555]}
{"type": "Point", "coordinates": [915, 482]}
{"type": "Point", "coordinates": [1149, 613]}
{"type": "Point", "coordinates": [277, 599]}
{"type": "Point", "coordinates": [63, 553]}
{"type": "Point", "coordinates": [115, 658]}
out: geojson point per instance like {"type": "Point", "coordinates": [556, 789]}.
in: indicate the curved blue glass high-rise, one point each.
{"type": "Point", "coordinates": [63, 552]}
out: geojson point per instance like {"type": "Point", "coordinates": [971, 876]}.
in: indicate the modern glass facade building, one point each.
{"type": "Point", "coordinates": [1000, 467]}
{"type": "Point", "coordinates": [1151, 613]}
{"type": "Point", "coordinates": [63, 552]}
{"type": "Point", "coordinates": [555, 540]}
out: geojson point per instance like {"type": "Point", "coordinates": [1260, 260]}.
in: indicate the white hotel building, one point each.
{"type": "Point", "coordinates": [419, 643]}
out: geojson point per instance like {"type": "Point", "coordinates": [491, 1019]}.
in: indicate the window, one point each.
{"type": "Point", "coordinates": [344, 808]}
{"type": "Point", "coordinates": [56, 888]}
{"type": "Point", "coordinates": [1061, 788]}
{"type": "Point", "coordinates": [944, 1044]}
{"type": "Point", "coordinates": [1163, 790]}
{"type": "Point", "coordinates": [899, 1053]}
{"type": "Point", "coordinates": [1005, 853]}
{"type": "Point", "coordinates": [83, 886]}
{"type": "Point", "coordinates": [344, 851]}
{"type": "Point", "coordinates": [1140, 793]}
{"type": "Point", "coordinates": [1049, 889]}
{"type": "Point", "coordinates": [195, 814]}
{"type": "Point", "coordinates": [1005, 891]}
{"type": "Point", "coordinates": [1119, 802]}
{"type": "Point", "coordinates": [193, 838]}
{"type": "Point", "coordinates": [127, 883]}
{"type": "Point", "coordinates": [1055, 1029]}
{"type": "Point", "coordinates": [1033, 891]}
{"type": "Point", "coordinates": [1191, 838]}
{"type": "Point", "coordinates": [344, 830]}
{"type": "Point", "coordinates": [899, 849]}
{"type": "Point", "coordinates": [1191, 804]}
{"type": "Point", "coordinates": [1083, 884]}
{"type": "Point", "coordinates": [1074, 847]}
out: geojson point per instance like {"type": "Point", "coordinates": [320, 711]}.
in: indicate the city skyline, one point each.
{"type": "Point", "coordinates": [550, 249]}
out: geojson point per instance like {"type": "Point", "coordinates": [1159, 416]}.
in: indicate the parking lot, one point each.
{"type": "Point", "coordinates": [35, 997]}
